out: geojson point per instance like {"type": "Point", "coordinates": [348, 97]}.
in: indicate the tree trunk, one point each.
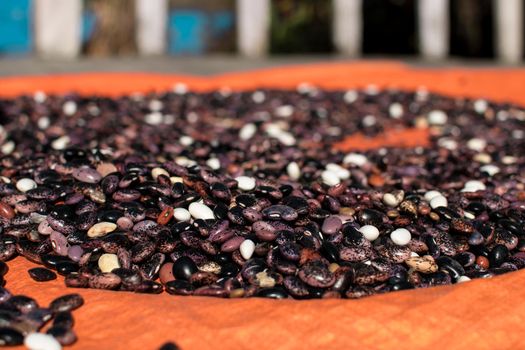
{"type": "Point", "coordinates": [115, 28]}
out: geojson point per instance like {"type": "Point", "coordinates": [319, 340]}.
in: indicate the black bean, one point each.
{"type": "Point", "coordinates": [476, 208]}
{"type": "Point", "coordinates": [273, 293]}
{"type": "Point", "coordinates": [67, 302]}
{"type": "Point", "coordinates": [66, 267]}
{"type": "Point", "coordinates": [41, 274]}
{"type": "Point", "coordinates": [446, 213]}
{"type": "Point", "coordinates": [451, 266]}
{"type": "Point", "coordinates": [149, 287]}
{"type": "Point", "coordinates": [277, 212]}
{"type": "Point", "coordinates": [65, 336]}
{"type": "Point", "coordinates": [3, 268]}
{"type": "Point", "coordinates": [179, 287]}
{"type": "Point", "coordinates": [37, 318]}
{"type": "Point", "coordinates": [4, 294]}
{"type": "Point", "coordinates": [62, 212]}
{"type": "Point", "coordinates": [229, 270]}
{"type": "Point", "coordinates": [23, 303]}
{"type": "Point", "coordinates": [498, 255]}
{"type": "Point", "coordinates": [466, 259]}
{"type": "Point", "coordinates": [300, 205]}
{"type": "Point", "coordinates": [169, 346]}
{"type": "Point", "coordinates": [10, 337]}
{"type": "Point", "coordinates": [401, 286]}
{"type": "Point", "coordinates": [370, 217]}
{"type": "Point", "coordinates": [63, 319]}
{"type": "Point", "coordinates": [330, 251]}
{"type": "Point", "coordinates": [183, 268]}
{"type": "Point", "coordinates": [476, 238]}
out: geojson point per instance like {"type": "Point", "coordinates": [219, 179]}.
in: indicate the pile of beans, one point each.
{"type": "Point", "coordinates": [21, 318]}
{"type": "Point", "coordinates": [236, 195]}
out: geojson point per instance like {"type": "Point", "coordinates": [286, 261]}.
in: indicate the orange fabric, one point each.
{"type": "Point", "coordinates": [483, 314]}
{"type": "Point", "coordinates": [401, 138]}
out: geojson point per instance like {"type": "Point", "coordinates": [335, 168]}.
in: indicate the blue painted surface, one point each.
{"type": "Point", "coordinates": [187, 30]}
{"type": "Point", "coordinates": [221, 22]}
{"type": "Point", "coordinates": [16, 36]}
{"type": "Point", "coordinates": [89, 22]}
{"type": "Point", "coordinates": [192, 31]}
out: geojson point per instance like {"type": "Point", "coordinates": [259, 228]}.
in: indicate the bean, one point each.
{"type": "Point", "coordinates": [67, 302]}
{"type": "Point", "coordinates": [41, 274]}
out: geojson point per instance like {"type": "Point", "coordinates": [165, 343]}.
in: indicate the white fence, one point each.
{"type": "Point", "coordinates": [58, 22]}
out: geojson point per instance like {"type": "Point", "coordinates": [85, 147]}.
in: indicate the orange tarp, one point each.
{"type": "Point", "coordinates": [482, 314]}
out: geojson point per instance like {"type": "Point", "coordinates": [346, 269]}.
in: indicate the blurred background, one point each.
{"type": "Point", "coordinates": [260, 30]}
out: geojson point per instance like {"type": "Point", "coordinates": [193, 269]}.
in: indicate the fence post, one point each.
{"type": "Point", "coordinates": [433, 20]}
{"type": "Point", "coordinates": [152, 22]}
{"type": "Point", "coordinates": [253, 27]}
{"type": "Point", "coordinates": [58, 26]}
{"type": "Point", "coordinates": [348, 26]}
{"type": "Point", "coordinates": [509, 29]}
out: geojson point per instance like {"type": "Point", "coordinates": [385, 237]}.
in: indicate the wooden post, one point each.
{"type": "Point", "coordinates": [152, 22]}
{"type": "Point", "coordinates": [253, 27]}
{"type": "Point", "coordinates": [58, 26]}
{"type": "Point", "coordinates": [433, 20]}
{"type": "Point", "coordinates": [348, 26]}
{"type": "Point", "coordinates": [509, 29]}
